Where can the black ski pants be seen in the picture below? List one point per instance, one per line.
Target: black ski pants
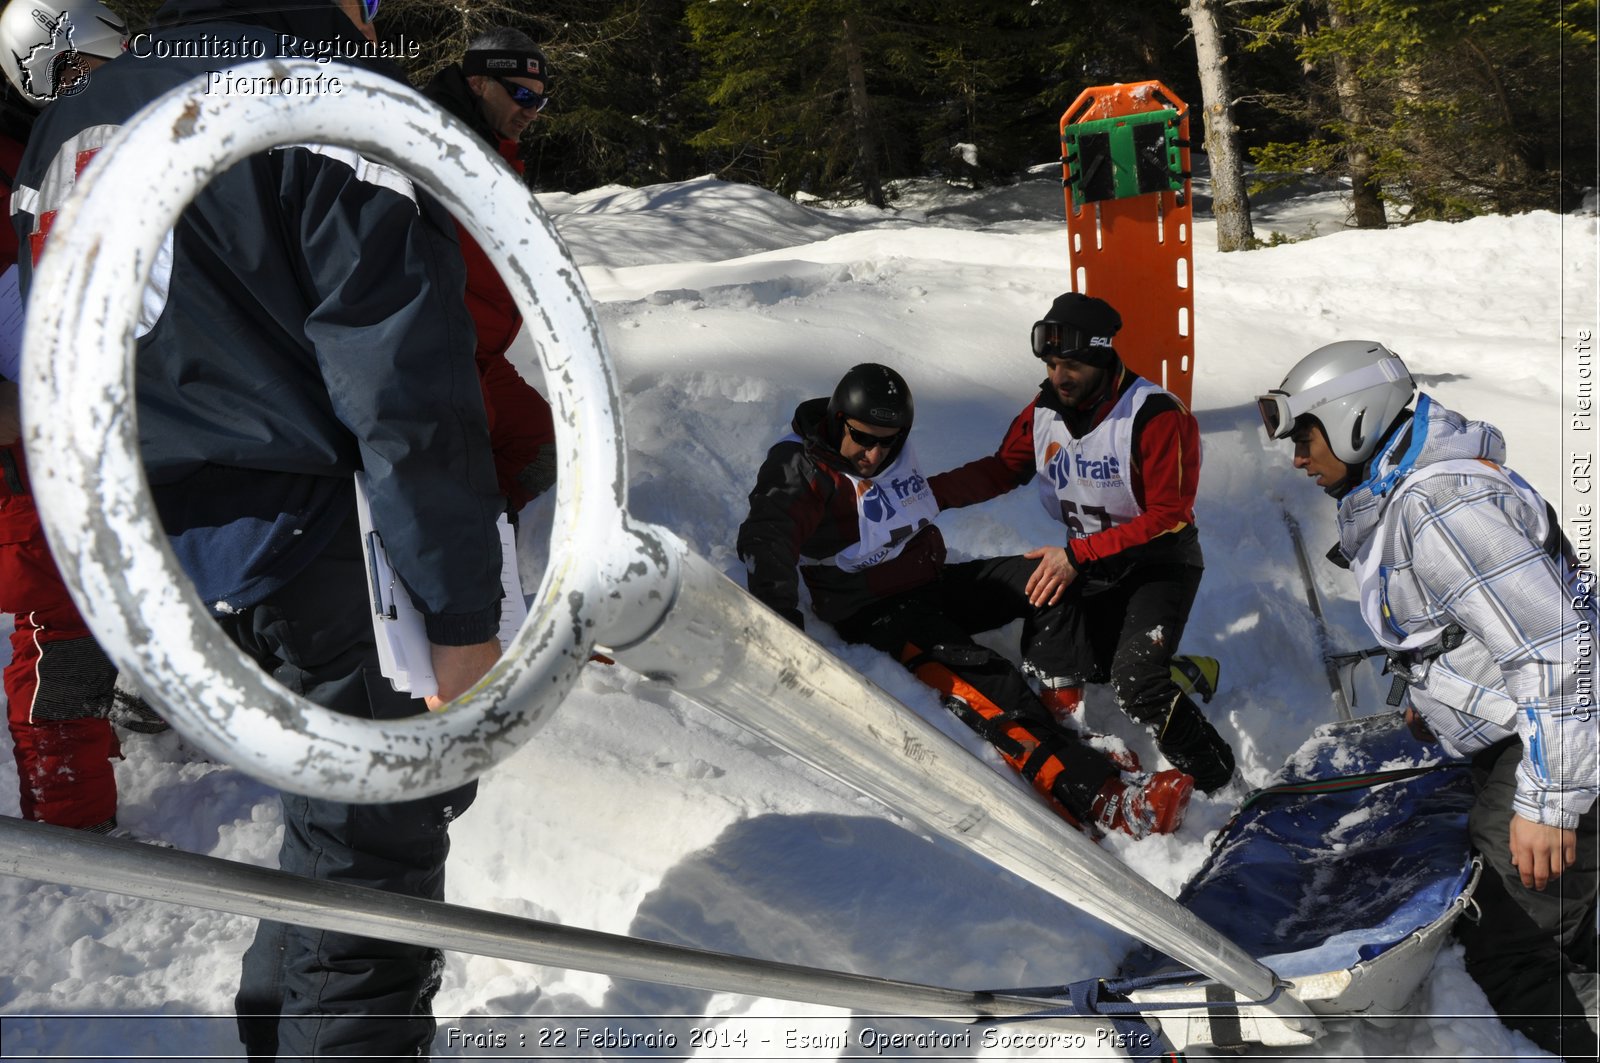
(1123, 634)
(304, 993)
(1532, 952)
(935, 623)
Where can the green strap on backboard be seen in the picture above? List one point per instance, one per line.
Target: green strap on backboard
(1131, 155)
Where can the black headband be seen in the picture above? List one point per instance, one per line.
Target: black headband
(507, 64)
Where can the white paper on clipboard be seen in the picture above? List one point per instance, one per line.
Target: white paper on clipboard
(513, 607)
(404, 654)
(11, 309)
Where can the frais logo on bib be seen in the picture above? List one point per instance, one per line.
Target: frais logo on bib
(1108, 468)
(1058, 465)
(875, 505)
(910, 487)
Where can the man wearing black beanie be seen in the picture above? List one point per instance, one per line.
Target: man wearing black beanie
(1117, 460)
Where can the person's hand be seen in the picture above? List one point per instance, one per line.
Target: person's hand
(457, 668)
(1419, 727)
(1539, 852)
(10, 413)
(1051, 579)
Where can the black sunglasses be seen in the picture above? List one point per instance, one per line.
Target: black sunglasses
(523, 96)
(867, 441)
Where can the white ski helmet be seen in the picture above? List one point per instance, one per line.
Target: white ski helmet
(1355, 389)
(39, 40)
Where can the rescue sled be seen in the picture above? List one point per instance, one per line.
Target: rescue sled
(1344, 876)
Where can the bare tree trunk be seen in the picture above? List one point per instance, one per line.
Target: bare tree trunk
(861, 111)
(1366, 191)
(1512, 169)
(1230, 204)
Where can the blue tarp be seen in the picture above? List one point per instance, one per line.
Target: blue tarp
(1314, 882)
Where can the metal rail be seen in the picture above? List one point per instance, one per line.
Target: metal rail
(38, 851)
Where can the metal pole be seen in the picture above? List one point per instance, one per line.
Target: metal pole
(740, 659)
(1341, 704)
(55, 854)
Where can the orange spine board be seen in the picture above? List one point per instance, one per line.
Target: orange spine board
(1135, 253)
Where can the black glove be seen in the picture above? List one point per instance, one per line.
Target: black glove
(539, 475)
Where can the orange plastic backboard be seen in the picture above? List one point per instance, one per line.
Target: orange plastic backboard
(1135, 252)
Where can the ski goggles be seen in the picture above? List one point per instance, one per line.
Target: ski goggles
(866, 440)
(525, 97)
(1056, 339)
(1279, 410)
(369, 9)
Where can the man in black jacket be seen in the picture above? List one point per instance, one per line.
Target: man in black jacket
(307, 321)
(498, 88)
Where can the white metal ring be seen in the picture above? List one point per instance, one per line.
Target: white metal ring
(82, 442)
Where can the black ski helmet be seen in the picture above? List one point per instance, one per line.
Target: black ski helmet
(873, 394)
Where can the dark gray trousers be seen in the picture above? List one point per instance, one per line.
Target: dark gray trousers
(1533, 952)
(309, 994)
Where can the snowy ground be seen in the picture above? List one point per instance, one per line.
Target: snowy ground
(637, 812)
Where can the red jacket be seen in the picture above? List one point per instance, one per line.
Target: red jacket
(519, 417)
(1165, 476)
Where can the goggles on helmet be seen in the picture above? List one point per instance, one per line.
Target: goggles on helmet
(369, 9)
(1056, 339)
(1279, 410)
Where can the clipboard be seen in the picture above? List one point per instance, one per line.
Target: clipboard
(404, 654)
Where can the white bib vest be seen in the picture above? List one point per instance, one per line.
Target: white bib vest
(1087, 483)
(891, 507)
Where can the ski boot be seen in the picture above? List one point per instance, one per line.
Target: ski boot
(1196, 676)
(1063, 701)
(1142, 805)
(1187, 739)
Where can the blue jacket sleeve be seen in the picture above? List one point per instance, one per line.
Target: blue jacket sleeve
(395, 344)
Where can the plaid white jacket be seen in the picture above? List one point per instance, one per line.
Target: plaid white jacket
(1470, 550)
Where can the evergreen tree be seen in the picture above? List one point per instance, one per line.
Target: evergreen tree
(813, 95)
(626, 101)
(981, 119)
(1452, 108)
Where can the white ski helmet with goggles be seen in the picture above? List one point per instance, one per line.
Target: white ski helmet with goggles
(1354, 389)
(39, 40)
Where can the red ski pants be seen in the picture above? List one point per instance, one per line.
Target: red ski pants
(59, 681)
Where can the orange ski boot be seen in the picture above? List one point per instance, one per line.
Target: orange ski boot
(1062, 702)
(1142, 805)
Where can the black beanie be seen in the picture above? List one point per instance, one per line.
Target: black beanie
(1095, 321)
